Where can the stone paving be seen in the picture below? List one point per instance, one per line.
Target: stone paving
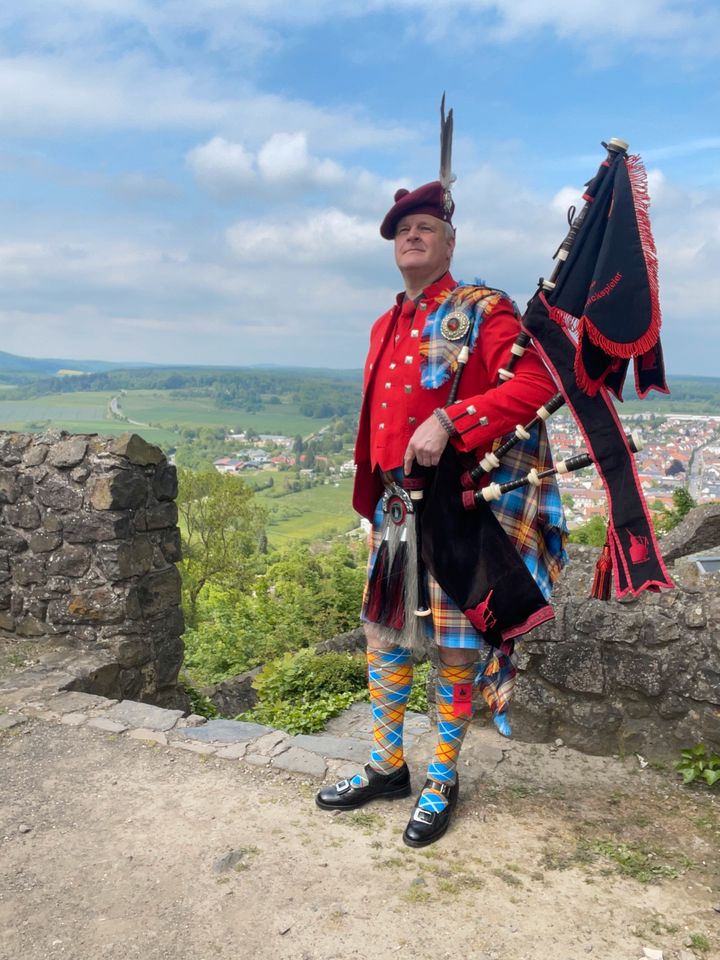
(338, 751)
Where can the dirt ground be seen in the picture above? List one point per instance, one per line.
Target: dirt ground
(112, 848)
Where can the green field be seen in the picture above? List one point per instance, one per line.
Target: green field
(57, 406)
(88, 412)
(159, 407)
(309, 514)
(76, 413)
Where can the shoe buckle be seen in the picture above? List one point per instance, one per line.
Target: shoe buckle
(342, 786)
(423, 816)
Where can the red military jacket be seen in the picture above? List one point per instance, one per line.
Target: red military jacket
(395, 404)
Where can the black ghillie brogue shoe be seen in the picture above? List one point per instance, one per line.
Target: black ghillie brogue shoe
(379, 786)
(425, 826)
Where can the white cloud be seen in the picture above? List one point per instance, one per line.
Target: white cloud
(256, 26)
(221, 166)
(640, 19)
(305, 286)
(42, 96)
(50, 94)
(285, 159)
(284, 167)
(327, 237)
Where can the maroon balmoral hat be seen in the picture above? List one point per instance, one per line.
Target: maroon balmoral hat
(433, 198)
(430, 198)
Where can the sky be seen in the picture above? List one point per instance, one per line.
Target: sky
(202, 181)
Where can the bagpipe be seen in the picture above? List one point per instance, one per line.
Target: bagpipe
(597, 310)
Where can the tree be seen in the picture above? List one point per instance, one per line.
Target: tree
(683, 503)
(222, 529)
(665, 520)
(592, 533)
(302, 597)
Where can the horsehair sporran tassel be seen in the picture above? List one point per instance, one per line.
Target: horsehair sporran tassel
(374, 595)
(392, 595)
(379, 586)
(393, 612)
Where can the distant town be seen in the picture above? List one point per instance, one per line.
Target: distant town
(679, 450)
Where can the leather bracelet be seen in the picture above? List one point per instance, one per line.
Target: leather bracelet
(445, 421)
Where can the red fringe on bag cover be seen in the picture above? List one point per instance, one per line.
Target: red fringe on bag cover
(566, 320)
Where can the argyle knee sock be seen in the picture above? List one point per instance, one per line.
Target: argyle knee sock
(390, 674)
(451, 729)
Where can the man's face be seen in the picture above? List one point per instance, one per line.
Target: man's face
(422, 246)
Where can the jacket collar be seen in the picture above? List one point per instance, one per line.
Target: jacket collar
(443, 283)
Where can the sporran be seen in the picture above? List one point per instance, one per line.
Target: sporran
(393, 594)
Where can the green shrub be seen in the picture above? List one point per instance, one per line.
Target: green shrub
(307, 715)
(300, 692)
(295, 675)
(302, 597)
(199, 703)
(698, 764)
(418, 698)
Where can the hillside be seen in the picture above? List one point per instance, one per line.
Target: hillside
(11, 364)
(251, 387)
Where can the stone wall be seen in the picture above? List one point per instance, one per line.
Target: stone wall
(88, 546)
(637, 675)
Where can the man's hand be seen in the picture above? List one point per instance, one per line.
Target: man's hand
(426, 444)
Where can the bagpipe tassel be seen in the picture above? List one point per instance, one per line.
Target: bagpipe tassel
(393, 612)
(602, 582)
(374, 600)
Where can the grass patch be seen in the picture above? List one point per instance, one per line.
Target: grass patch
(391, 863)
(521, 790)
(655, 925)
(699, 942)
(554, 858)
(509, 878)
(416, 893)
(643, 864)
(460, 883)
(367, 822)
(707, 822)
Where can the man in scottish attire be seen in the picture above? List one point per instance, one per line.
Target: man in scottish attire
(468, 530)
(405, 423)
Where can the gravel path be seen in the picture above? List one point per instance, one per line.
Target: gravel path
(117, 848)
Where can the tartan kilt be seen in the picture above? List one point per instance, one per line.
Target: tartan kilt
(532, 519)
